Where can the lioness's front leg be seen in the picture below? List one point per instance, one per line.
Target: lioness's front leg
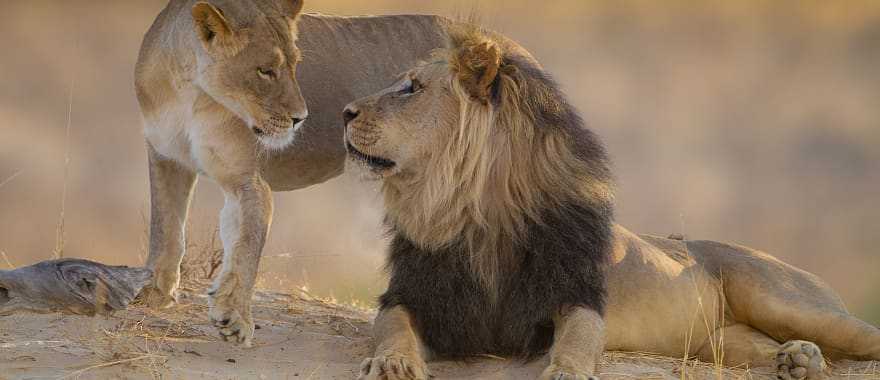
(398, 351)
(578, 343)
(171, 189)
(244, 225)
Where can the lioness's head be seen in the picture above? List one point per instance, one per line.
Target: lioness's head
(248, 63)
(474, 144)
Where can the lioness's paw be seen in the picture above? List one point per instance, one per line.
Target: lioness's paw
(157, 299)
(554, 372)
(393, 367)
(230, 313)
(799, 359)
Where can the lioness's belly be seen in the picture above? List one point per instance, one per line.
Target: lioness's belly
(657, 304)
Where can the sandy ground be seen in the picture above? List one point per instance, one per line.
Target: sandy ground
(299, 337)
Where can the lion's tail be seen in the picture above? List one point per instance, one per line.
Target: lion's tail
(787, 303)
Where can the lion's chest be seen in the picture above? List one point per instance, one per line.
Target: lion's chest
(457, 317)
(166, 131)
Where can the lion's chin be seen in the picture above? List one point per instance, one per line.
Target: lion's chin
(370, 168)
(276, 141)
(366, 172)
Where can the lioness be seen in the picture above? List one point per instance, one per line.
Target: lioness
(228, 91)
(498, 200)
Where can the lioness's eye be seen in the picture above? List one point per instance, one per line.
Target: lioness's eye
(267, 73)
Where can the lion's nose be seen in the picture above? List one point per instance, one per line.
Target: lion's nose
(350, 114)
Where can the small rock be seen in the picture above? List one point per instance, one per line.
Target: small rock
(230, 360)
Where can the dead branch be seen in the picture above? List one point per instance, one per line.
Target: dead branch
(70, 285)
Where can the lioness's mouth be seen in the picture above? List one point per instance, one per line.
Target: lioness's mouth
(373, 161)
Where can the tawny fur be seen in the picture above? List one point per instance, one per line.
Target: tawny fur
(455, 179)
(492, 246)
(223, 86)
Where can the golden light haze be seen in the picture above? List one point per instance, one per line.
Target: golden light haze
(754, 122)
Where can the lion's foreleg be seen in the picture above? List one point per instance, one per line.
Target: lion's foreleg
(244, 226)
(578, 343)
(398, 350)
(171, 189)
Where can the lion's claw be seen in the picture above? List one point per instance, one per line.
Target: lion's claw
(232, 325)
(393, 367)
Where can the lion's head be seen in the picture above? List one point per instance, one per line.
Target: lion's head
(475, 144)
(248, 61)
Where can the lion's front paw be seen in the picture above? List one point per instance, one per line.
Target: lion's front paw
(799, 359)
(555, 372)
(393, 367)
(230, 313)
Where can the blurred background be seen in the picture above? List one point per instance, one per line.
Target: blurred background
(754, 122)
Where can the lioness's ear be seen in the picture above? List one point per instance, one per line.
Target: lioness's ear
(476, 66)
(210, 23)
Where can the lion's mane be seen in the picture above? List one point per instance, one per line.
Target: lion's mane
(511, 221)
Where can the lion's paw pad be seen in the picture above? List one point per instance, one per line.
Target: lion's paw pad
(798, 360)
(393, 367)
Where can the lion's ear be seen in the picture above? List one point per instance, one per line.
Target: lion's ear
(297, 7)
(477, 68)
(210, 23)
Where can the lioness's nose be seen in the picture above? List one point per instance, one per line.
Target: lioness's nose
(350, 114)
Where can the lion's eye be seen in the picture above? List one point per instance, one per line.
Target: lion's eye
(415, 85)
(412, 86)
(267, 73)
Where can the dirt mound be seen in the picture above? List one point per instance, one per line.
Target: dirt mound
(299, 337)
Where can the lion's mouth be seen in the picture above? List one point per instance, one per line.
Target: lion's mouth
(273, 138)
(373, 161)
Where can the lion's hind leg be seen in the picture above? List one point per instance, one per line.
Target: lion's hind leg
(786, 303)
(799, 359)
(740, 344)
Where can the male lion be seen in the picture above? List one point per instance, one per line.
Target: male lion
(223, 87)
(499, 201)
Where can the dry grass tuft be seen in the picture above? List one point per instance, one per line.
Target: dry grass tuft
(202, 261)
(59, 233)
(662, 366)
